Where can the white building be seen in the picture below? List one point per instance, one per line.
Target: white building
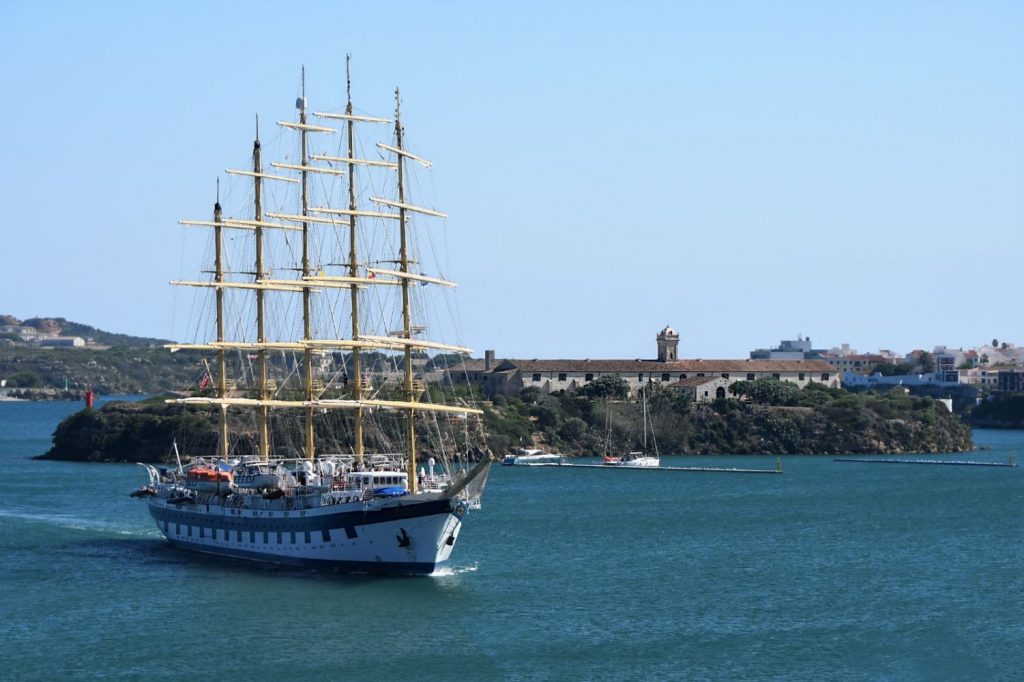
(512, 375)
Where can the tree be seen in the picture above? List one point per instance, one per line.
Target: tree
(888, 369)
(25, 379)
(545, 414)
(927, 362)
(767, 391)
(608, 387)
(572, 429)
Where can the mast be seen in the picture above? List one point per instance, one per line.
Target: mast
(263, 414)
(643, 395)
(222, 365)
(307, 327)
(406, 310)
(353, 265)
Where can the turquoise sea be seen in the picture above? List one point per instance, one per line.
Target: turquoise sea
(829, 571)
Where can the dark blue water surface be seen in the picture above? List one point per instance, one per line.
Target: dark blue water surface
(828, 571)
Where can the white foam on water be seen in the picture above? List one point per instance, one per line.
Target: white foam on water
(446, 571)
(77, 523)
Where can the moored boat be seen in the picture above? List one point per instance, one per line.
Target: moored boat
(531, 457)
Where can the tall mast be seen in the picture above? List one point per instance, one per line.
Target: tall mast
(263, 414)
(222, 365)
(406, 310)
(643, 395)
(353, 266)
(307, 326)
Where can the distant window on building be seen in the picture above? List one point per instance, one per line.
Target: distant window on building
(588, 377)
(664, 377)
(776, 376)
(561, 376)
(750, 377)
(682, 376)
(824, 376)
(725, 375)
(801, 376)
(536, 376)
(720, 393)
(640, 376)
(700, 374)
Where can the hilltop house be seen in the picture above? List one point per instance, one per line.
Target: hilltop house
(509, 376)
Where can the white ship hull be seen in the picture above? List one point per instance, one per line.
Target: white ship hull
(414, 534)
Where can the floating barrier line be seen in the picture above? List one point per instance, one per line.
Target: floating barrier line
(721, 470)
(937, 462)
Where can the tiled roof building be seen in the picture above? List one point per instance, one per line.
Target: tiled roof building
(512, 375)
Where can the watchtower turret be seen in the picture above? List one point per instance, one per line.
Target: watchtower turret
(668, 345)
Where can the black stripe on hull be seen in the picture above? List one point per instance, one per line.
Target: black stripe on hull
(392, 567)
(298, 520)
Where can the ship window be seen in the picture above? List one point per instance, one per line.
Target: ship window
(238, 535)
(326, 535)
(266, 537)
(293, 537)
(536, 376)
(350, 532)
(190, 531)
(561, 376)
(252, 536)
(202, 532)
(307, 538)
(280, 540)
(177, 529)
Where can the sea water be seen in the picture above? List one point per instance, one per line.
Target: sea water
(829, 571)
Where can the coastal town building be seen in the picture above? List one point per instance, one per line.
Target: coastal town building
(789, 349)
(63, 342)
(23, 332)
(509, 376)
(979, 376)
(1010, 380)
(859, 363)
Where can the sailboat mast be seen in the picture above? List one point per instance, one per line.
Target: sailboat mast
(307, 327)
(643, 393)
(406, 308)
(222, 365)
(353, 267)
(263, 414)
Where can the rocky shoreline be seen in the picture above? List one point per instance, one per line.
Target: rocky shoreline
(833, 423)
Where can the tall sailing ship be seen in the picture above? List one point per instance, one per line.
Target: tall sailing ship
(293, 479)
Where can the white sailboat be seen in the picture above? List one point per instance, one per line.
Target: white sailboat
(348, 508)
(641, 458)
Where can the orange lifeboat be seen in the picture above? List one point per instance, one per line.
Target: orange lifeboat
(208, 479)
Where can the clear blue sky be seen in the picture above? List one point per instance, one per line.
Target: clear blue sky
(743, 171)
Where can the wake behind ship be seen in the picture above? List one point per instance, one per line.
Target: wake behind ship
(293, 479)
